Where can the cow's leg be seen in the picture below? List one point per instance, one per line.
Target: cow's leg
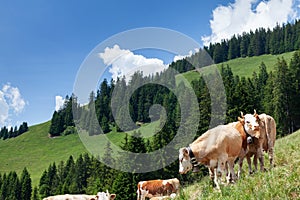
(231, 175)
(216, 179)
(261, 158)
(240, 161)
(255, 162)
(222, 166)
(271, 156)
(249, 164)
(211, 173)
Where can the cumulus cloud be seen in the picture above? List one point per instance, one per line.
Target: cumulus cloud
(10, 100)
(59, 102)
(124, 63)
(245, 15)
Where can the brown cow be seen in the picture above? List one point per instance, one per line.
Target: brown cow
(247, 128)
(265, 141)
(156, 188)
(215, 149)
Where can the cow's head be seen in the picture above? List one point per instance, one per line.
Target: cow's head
(251, 123)
(185, 164)
(105, 196)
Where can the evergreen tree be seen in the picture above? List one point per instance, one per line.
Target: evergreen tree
(26, 188)
(282, 96)
(56, 124)
(124, 186)
(35, 194)
(295, 91)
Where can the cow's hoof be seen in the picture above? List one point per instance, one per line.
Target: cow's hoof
(196, 169)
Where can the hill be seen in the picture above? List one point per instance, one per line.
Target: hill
(282, 182)
(249, 65)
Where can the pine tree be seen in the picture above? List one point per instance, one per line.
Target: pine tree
(124, 186)
(26, 188)
(282, 95)
(295, 90)
(35, 194)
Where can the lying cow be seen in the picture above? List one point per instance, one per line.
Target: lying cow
(264, 141)
(215, 149)
(157, 188)
(99, 196)
(172, 196)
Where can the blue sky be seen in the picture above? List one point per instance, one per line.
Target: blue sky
(43, 43)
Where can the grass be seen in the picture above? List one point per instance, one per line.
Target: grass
(244, 67)
(35, 151)
(282, 182)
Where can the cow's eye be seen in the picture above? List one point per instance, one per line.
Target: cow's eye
(247, 122)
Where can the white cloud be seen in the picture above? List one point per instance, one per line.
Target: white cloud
(59, 102)
(180, 57)
(124, 63)
(3, 109)
(245, 15)
(10, 100)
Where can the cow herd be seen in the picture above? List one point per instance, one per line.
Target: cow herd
(218, 149)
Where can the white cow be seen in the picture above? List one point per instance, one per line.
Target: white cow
(99, 196)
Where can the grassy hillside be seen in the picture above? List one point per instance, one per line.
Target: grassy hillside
(35, 150)
(283, 182)
(246, 66)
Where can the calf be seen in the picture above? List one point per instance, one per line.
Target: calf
(156, 188)
(215, 149)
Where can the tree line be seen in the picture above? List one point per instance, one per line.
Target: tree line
(275, 93)
(281, 39)
(6, 133)
(13, 187)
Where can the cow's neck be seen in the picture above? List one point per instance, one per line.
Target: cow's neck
(198, 152)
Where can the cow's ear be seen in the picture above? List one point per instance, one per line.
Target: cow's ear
(185, 152)
(241, 120)
(113, 196)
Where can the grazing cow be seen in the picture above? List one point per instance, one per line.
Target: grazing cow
(264, 141)
(157, 188)
(215, 149)
(99, 196)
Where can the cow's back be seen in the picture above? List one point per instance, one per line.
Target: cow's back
(218, 140)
